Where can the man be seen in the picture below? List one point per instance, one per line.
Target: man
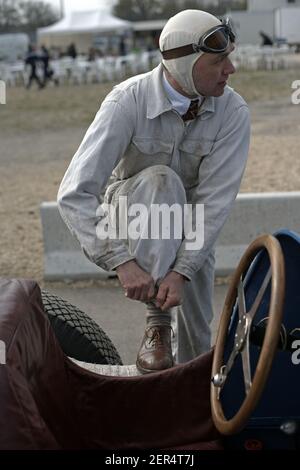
(266, 40)
(175, 136)
(48, 73)
(32, 60)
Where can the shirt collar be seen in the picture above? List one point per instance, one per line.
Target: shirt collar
(159, 103)
(179, 102)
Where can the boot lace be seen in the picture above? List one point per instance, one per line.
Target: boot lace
(154, 336)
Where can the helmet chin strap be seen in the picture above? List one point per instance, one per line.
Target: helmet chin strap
(174, 83)
(181, 70)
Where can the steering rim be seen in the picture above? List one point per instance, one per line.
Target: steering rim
(255, 386)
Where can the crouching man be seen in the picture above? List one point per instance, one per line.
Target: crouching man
(175, 138)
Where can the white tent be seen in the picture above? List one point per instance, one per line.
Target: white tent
(81, 27)
(94, 21)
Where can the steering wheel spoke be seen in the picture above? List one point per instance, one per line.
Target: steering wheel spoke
(246, 366)
(241, 299)
(260, 294)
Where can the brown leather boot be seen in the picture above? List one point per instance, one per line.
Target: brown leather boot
(155, 352)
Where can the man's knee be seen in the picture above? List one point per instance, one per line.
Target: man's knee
(157, 181)
(160, 176)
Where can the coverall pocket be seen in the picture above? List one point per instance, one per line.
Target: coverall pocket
(192, 152)
(148, 152)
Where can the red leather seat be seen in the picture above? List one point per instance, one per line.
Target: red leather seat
(48, 402)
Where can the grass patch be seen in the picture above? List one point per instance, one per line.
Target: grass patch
(51, 108)
(264, 85)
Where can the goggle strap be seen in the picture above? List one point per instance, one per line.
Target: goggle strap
(180, 51)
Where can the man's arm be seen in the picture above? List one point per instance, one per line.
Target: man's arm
(79, 194)
(220, 176)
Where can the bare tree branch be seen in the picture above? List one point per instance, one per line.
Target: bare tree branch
(25, 16)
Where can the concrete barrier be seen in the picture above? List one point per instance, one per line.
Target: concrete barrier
(252, 215)
(63, 258)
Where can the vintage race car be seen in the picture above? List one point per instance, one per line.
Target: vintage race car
(243, 394)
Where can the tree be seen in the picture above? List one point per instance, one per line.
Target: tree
(238, 5)
(36, 15)
(138, 10)
(25, 16)
(171, 7)
(141, 10)
(224, 6)
(9, 16)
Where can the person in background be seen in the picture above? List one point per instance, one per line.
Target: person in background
(48, 73)
(122, 46)
(266, 40)
(32, 59)
(71, 51)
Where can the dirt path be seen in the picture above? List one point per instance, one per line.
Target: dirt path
(274, 163)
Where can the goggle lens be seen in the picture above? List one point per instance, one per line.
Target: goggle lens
(218, 40)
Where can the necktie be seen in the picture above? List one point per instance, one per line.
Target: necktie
(192, 111)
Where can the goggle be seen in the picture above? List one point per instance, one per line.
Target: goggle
(214, 41)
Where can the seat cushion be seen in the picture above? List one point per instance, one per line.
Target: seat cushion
(50, 402)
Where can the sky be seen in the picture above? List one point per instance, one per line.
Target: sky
(74, 5)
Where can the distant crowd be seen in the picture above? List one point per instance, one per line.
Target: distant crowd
(40, 58)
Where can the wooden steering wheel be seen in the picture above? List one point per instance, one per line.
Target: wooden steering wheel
(253, 386)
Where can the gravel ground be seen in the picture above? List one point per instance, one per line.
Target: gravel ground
(33, 160)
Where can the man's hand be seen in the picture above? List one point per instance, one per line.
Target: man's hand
(138, 284)
(170, 292)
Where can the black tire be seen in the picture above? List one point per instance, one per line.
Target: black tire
(78, 335)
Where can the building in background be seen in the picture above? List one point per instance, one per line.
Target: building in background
(270, 5)
(101, 31)
(265, 16)
(146, 34)
(13, 46)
